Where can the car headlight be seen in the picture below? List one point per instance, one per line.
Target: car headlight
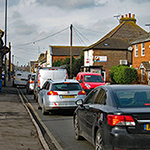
(88, 86)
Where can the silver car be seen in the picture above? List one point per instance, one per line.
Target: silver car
(56, 95)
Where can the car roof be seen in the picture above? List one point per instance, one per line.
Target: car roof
(62, 81)
(127, 87)
(89, 73)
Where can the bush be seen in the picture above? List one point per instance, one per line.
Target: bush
(123, 74)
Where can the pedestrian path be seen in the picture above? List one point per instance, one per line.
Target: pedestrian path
(17, 131)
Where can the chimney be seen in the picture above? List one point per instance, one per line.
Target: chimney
(127, 18)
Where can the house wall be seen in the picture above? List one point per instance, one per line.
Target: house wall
(113, 59)
(56, 58)
(139, 59)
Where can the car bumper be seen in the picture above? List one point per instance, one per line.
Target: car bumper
(122, 139)
(56, 106)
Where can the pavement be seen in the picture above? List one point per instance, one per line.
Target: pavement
(17, 129)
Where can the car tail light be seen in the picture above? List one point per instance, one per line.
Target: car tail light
(52, 93)
(31, 81)
(39, 80)
(120, 120)
(82, 93)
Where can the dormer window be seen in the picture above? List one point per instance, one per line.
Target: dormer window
(143, 49)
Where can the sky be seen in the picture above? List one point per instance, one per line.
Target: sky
(33, 25)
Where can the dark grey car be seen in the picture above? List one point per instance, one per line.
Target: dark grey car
(115, 117)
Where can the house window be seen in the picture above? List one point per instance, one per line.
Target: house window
(136, 50)
(143, 49)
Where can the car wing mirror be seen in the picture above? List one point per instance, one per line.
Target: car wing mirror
(79, 102)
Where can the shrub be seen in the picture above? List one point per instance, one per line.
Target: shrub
(123, 74)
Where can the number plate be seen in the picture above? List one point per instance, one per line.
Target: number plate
(68, 96)
(147, 127)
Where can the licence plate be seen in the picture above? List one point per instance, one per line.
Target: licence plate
(68, 96)
(147, 127)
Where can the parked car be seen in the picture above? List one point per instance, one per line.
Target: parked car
(115, 117)
(20, 78)
(30, 83)
(56, 95)
(89, 80)
(44, 73)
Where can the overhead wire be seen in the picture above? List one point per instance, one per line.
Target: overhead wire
(42, 38)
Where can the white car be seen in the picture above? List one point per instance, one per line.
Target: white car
(30, 83)
(56, 95)
(21, 78)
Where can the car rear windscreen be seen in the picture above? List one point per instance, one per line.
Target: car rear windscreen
(133, 98)
(66, 87)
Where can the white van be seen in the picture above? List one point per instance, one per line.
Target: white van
(44, 73)
(20, 78)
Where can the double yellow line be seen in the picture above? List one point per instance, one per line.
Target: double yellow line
(54, 141)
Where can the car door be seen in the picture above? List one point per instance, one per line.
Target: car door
(88, 102)
(93, 112)
(41, 93)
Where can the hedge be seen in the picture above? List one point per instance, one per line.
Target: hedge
(123, 74)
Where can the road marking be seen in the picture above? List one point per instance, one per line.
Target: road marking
(46, 129)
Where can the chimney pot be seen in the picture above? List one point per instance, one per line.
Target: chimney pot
(126, 16)
(129, 15)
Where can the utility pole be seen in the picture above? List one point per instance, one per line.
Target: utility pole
(9, 70)
(71, 51)
(5, 39)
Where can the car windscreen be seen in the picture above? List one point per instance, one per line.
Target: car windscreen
(66, 87)
(133, 98)
(93, 78)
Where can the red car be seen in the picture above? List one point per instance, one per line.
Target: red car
(89, 80)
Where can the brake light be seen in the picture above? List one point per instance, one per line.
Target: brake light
(82, 93)
(52, 93)
(120, 120)
(39, 80)
(31, 81)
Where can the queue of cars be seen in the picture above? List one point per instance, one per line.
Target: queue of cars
(111, 117)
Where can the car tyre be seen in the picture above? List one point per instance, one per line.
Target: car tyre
(99, 141)
(44, 112)
(77, 129)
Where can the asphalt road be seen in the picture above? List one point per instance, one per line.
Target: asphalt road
(60, 125)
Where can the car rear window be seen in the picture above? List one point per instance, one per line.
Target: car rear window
(133, 98)
(66, 87)
(93, 78)
(19, 74)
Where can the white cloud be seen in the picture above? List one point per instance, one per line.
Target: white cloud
(30, 20)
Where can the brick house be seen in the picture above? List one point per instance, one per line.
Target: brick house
(55, 53)
(141, 58)
(112, 49)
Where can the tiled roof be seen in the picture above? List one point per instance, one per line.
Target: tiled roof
(144, 38)
(124, 33)
(146, 65)
(65, 50)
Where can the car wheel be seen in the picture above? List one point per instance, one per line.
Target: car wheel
(99, 141)
(44, 112)
(77, 129)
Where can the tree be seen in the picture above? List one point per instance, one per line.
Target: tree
(76, 64)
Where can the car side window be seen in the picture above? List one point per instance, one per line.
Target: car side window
(47, 86)
(81, 78)
(44, 86)
(101, 97)
(89, 99)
